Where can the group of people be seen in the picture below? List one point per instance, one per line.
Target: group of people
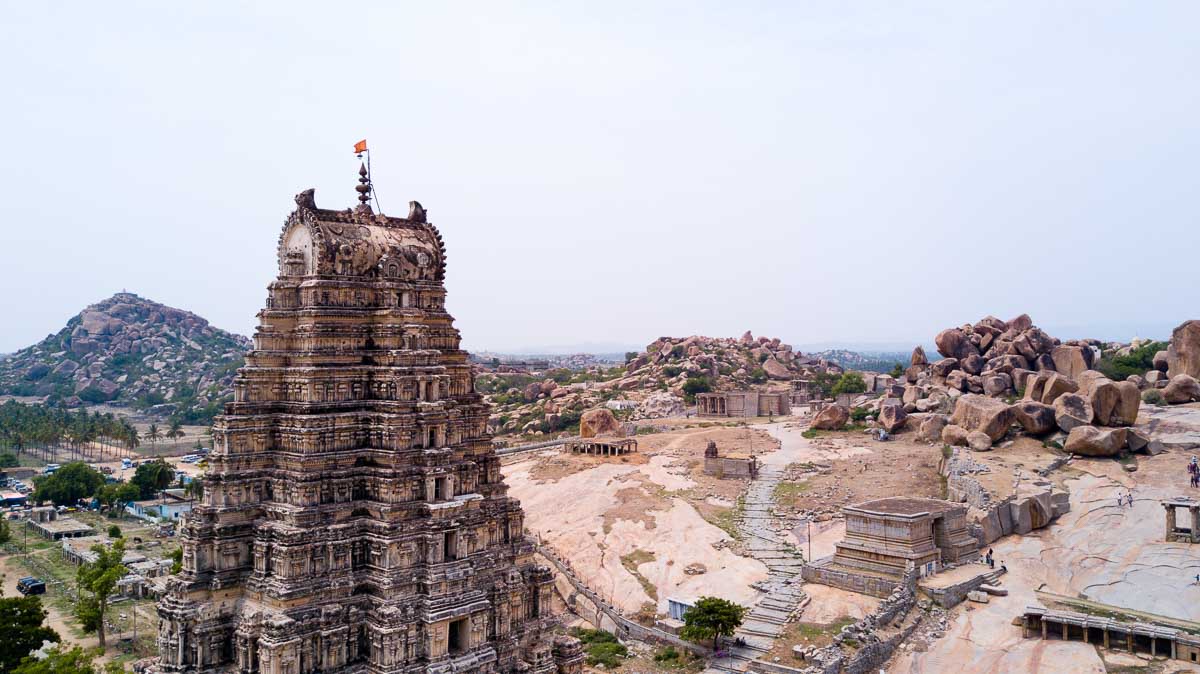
(1125, 500)
(1194, 471)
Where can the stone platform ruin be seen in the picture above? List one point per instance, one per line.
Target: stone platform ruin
(888, 537)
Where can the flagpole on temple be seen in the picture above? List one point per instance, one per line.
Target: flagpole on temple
(360, 148)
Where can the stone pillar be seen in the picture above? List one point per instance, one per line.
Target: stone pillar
(1105, 637)
(1195, 511)
(1044, 634)
(1170, 520)
(1129, 641)
(1153, 646)
(1066, 631)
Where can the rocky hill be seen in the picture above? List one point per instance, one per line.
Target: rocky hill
(657, 382)
(130, 350)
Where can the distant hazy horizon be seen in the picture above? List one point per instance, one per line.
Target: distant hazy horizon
(608, 174)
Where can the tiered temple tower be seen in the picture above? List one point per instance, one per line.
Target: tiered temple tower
(354, 518)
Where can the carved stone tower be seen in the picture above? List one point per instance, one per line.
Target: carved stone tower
(354, 518)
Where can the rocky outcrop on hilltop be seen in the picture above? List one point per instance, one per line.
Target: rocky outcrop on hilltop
(130, 350)
(725, 363)
(1000, 377)
(655, 383)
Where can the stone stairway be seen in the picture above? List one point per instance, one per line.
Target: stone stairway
(768, 618)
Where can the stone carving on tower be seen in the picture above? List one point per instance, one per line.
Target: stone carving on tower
(354, 518)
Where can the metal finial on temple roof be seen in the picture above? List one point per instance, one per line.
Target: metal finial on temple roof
(364, 185)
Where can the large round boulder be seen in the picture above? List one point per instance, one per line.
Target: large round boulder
(1036, 418)
(598, 422)
(1182, 388)
(1092, 441)
(1183, 353)
(1103, 394)
(1130, 401)
(979, 442)
(1072, 410)
(1020, 323)
(918, 357)
(831, 418)
(931, 427)
(954, 343)
(981, 413)
(892, 417)
(954, 435)
(944, 367)
(972, 364)
(1071, 360)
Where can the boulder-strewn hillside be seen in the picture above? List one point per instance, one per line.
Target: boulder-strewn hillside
(130, 350)
(655, 383)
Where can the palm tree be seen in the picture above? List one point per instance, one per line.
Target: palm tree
(152, 434)
(131, 436)
(175, 431)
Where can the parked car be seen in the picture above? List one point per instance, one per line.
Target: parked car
(31, 585)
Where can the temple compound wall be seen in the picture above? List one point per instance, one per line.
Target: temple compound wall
(887, 537)
(354, 518)
(745, 404)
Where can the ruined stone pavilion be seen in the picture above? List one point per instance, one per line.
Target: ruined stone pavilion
(354, 518)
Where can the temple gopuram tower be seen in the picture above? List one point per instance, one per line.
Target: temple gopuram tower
(354, 518)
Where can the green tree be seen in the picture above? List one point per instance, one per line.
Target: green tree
(712, 618)
(68, 484)
(99, 579)
(151, 477)
(5, 532)
(114, 531)
(897, 371)
(177, 559)
(71, 661)
(8, 460)
(175, 431)
(152, 434)
(22, 629)
(695, 385)
(850, 382)
(127, 493)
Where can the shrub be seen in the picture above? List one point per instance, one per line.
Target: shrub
(859, 413)
(850, 382)
(1138, 362)
(601, 646)
(1153, 397)
(114, 531)
(671, 371)
(897, 371)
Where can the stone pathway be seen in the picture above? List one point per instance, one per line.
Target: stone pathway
(768, 618)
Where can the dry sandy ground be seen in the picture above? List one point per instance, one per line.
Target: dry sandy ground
(1098, 551)
(852, 468)
(56, 620)
(631, 525)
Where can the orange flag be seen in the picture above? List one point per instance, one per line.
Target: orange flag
(360, 146)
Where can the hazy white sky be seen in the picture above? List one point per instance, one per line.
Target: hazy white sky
(612, 172)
